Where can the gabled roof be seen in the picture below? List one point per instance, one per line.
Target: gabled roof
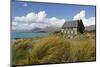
(69, 24)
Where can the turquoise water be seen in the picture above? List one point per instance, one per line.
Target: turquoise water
(16, 35)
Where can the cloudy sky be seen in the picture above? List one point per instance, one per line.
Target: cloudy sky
(30, 15)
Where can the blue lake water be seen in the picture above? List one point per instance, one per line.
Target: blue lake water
(16, 35)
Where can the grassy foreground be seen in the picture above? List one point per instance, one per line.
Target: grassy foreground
(52, 49)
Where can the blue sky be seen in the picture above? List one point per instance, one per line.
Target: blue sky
(65, 11)
(30, 15)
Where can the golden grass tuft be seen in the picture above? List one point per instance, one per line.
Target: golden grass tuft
(52, 49)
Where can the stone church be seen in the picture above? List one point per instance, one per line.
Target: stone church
(72, 28)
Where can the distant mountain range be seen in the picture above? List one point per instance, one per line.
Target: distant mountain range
(37, 30)
(54, 29)
(90, 28)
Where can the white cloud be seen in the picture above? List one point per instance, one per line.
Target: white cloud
(14, 23)
(26, 19)
(86, 21)
(56, 22)
(32, 17)
(41, 16)
(33, 20)
(40, 20)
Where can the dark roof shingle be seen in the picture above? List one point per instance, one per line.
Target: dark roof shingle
(69, 24)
